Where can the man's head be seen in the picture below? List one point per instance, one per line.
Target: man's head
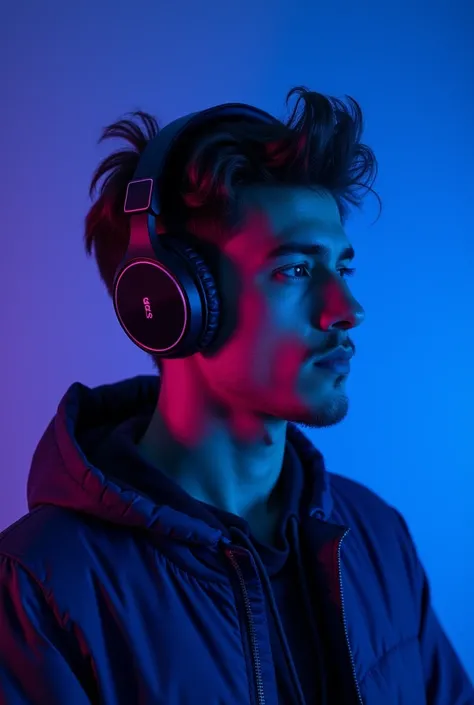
(266, 207)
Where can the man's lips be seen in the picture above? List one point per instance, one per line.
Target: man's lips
(338, 360)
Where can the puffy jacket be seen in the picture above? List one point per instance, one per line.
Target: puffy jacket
(119, 588)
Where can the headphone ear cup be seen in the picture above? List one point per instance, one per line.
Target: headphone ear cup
(155, 311)
(208, 284)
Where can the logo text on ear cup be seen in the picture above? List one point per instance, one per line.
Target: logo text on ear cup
(146, 303)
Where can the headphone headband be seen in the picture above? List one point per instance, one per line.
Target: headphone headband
(142, 192)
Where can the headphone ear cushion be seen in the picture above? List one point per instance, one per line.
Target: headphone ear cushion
(207, 281)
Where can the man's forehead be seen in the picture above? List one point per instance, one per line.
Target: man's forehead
(290, 211)
(274, 216)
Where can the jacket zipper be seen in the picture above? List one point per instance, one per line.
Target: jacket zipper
(354, 674)
(253, 638)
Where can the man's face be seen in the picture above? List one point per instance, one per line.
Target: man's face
(283, 309)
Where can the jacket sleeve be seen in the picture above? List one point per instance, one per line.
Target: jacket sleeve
(36, 654)
(446, 681)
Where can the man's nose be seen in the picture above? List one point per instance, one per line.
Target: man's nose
(340, 310)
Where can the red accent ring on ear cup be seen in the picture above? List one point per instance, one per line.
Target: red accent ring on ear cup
(151, 306)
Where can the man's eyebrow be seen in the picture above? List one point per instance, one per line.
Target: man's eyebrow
(315, 250)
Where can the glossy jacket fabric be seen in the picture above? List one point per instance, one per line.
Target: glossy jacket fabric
(108, 596)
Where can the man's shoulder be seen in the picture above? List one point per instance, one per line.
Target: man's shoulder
(355, 493)
(356, 505)
(47, 540)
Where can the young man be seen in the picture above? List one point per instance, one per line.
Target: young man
(185, 543)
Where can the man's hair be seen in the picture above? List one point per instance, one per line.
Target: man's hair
(317, 146)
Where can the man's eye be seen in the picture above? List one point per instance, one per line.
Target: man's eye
(292, 271)
(302, 271)
(346, 272)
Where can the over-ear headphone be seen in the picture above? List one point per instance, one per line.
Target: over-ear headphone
(164, 294)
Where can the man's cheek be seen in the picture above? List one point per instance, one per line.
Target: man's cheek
(287, 362)
(279, 363)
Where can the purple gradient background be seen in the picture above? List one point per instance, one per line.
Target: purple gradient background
(67, 69)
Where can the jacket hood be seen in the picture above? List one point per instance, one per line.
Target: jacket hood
(65, 471)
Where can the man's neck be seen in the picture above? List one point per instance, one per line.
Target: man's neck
(209, 455)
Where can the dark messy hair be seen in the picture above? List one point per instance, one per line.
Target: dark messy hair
(319, 145)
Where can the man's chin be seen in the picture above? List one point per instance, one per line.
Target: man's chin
(323, 416)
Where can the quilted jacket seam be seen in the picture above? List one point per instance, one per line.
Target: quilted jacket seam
(382, 658)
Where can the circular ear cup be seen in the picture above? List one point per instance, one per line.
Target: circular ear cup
(212, 302)
(169, 306)
(157, 305)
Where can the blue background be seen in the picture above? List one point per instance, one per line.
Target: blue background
(67, 69)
